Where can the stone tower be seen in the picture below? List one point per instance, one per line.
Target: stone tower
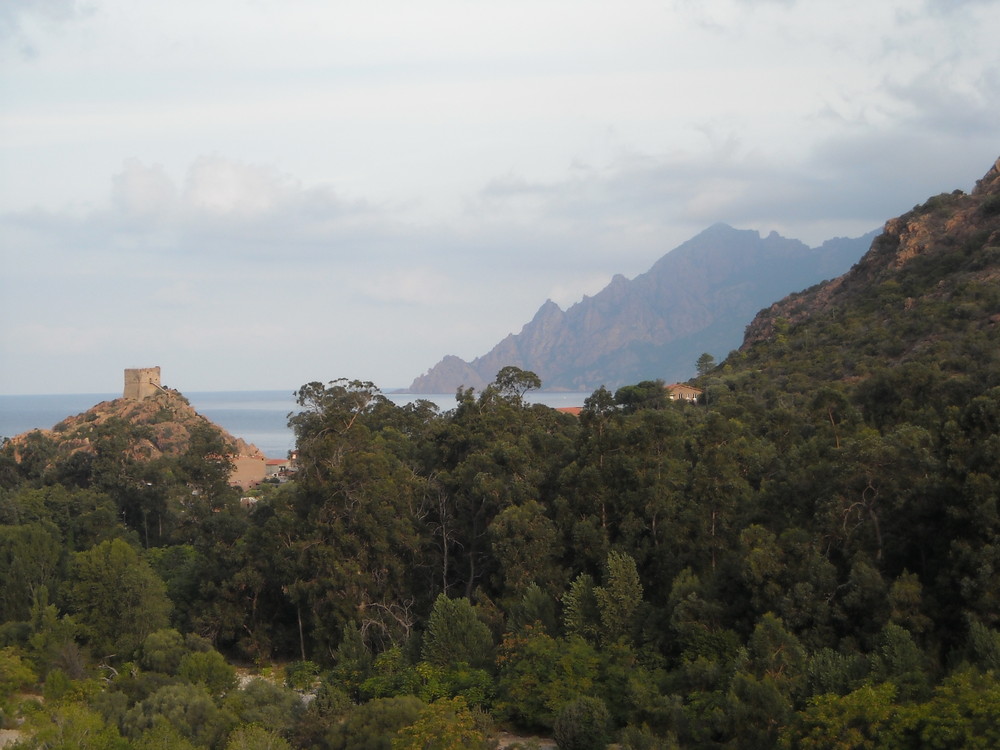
(141, 382)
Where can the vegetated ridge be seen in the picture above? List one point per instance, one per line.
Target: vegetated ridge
(925, 297)
(697, 298)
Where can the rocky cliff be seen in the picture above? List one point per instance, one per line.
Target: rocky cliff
(697, 298)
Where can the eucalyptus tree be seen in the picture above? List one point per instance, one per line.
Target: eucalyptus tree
(356, 548)
(492, 452)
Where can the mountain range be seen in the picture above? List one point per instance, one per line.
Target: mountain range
(697, 298)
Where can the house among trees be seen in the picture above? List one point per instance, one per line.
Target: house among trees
(248, 471)
(277, 467)
(682, 392)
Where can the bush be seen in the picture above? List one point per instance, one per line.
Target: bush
(15, 672)
(446, 723)
(162, 651)
(300, 675)
(256, 737)
(642, 738)
(582, 725)
(188, 709)
(266, 704)
(374, 724)
(210, 669)
(990, 205)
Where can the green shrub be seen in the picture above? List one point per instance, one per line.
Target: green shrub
(210, 669)
(582, 725)
(374, 724)
(990, 205)
(300, 675)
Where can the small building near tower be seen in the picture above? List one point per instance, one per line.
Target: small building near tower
(248, 471)
(141, 382)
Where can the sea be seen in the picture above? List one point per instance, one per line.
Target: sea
(259, 417)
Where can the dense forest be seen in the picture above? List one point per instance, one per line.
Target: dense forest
(809, 557)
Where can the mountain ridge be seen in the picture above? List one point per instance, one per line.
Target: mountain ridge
(698, 297)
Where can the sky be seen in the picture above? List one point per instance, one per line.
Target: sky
(259, 194)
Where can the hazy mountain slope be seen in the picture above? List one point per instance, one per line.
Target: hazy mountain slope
(697, 298)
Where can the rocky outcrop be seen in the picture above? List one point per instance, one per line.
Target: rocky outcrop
(697, 298)
(162, 424)
(444, 376)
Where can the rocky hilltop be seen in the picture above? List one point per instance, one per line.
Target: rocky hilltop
(940, 260)
(697, 298)
(160, 425)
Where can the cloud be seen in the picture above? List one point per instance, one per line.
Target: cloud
(950, 102)
(142, 193)
(514, 186)
(14, 14)
(953, 6)
(20, 21)
(410, 286)
(858, 178)
(220, 206)
(178, 294)
(60, 338)
(221, 187)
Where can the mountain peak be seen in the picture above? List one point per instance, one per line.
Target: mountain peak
(548, 309)
(698, 297)
(720, 227)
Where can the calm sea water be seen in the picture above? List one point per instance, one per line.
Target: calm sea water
(259, 417)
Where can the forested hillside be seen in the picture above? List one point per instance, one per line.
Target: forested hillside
(808, 558)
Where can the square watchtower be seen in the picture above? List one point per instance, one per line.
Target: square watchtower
(141, 382)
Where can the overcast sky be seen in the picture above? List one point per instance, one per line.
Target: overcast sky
(256, 194)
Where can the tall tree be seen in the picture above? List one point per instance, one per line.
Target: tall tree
(705, 363)
(527, 547)
(30, 559)
(116, 598)
(618, 598)
(360, 504)
(455, 635)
